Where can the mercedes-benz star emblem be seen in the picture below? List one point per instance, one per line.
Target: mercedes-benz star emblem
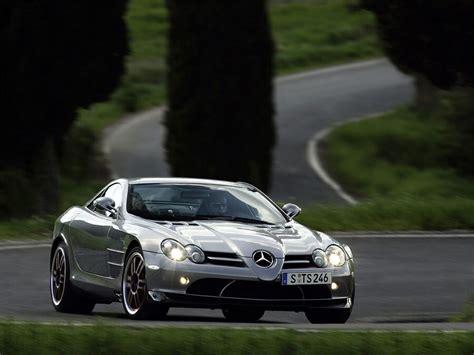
(263, 258)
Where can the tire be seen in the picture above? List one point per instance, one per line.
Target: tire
(238, 314)
(326, 316)
(136, 302)
(66, 298)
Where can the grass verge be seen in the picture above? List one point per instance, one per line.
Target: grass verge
(16, 338)
(400, 166)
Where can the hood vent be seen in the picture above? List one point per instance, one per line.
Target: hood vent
(177, 223)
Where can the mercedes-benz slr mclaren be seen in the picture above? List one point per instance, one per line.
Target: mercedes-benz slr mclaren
(156, 243)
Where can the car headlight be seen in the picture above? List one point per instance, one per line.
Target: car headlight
(336, 255)
(348, 251)
(173, 250)
(195, 254)
(320, 258)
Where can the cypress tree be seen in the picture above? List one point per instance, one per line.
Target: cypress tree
(57, 56)
(220, 107)
(429, 38)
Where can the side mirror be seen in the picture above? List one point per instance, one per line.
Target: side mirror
(291, 210)
(105, 204)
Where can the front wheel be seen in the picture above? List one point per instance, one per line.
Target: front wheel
(238, 314)
(326, 316)
(136, 302)
(65, 297)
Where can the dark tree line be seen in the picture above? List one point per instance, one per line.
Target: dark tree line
(433, 40)
(56, 56)
(220, 107)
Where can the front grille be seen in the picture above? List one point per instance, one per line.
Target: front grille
(298, 262)
(224, 259)
(257, 290)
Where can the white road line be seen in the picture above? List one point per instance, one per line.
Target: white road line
(330, 70)
(343, 235)
(26, 246)
(312, 156)
(347, 328)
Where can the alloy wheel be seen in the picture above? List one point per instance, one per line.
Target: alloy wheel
(58, 276)
(134, 284)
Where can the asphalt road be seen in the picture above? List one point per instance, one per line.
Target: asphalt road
(305, 104)
(398, 279)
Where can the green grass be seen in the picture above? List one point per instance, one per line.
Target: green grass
(73, 193)
(307, 33)
(315, 33)
(399, 166)
(467, 314)
(51, 339)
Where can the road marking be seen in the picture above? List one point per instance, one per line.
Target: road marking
(25, 246)
(317, 328)
(340, 235)
(312, 156)
(330, 70)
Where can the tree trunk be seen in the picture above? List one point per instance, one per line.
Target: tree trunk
(425, 95)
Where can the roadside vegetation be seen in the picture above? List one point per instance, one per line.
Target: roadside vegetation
(467, 314)
(409, 169)
(307, 34)
(53, 339)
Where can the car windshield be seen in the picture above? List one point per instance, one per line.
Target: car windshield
(180, 202)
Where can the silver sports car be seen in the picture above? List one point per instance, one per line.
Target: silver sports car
(156, 243)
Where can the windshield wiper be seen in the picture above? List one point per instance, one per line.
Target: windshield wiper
(233, 218)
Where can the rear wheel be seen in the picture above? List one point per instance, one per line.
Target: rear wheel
(238, 314)
(65, 297)
(135, 299)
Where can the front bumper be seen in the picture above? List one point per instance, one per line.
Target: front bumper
(212, 286)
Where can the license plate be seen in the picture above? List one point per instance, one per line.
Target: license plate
(306, 278)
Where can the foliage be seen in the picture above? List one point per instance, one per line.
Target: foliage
(56, 57)
(402, 165)
(220, 108)
(430, 38)
(104, 339)
(467, 314)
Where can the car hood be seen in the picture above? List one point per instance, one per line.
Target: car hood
(244, 239)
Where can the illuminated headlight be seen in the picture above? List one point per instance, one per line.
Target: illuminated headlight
(195, 254)
(173, 250)
(320, 258)
(348, 251)
(336, 255)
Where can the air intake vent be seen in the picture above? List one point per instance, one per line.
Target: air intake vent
(225, 259)
(298, 262)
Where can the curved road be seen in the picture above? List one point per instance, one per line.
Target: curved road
(416, 278)
(399, 278)
(305, 103)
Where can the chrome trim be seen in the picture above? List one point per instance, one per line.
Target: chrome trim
(225, 287)
(116, 251)
(298, 262)
(218, 258)
(114, 264)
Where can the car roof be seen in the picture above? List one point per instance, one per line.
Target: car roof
(153, 180)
